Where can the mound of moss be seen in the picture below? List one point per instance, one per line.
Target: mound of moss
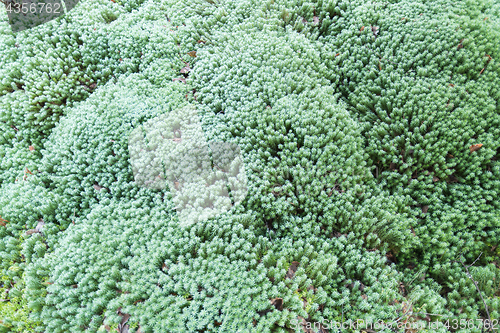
(370, 136)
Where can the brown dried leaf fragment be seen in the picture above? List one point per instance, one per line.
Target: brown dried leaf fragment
(122, 326)
(183, 80)
(475, 147)
(40, 225)
(311, 287)
(2, 221)
(292, 269)
(278, 303)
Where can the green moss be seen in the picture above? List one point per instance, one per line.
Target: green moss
(370, 133)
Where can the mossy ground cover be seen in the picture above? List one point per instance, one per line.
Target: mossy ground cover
(370, 133)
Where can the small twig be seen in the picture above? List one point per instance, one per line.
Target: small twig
(478, 290)
(432, 314)
(473, 263)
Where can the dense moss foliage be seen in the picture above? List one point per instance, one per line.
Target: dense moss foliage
(370, 134)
